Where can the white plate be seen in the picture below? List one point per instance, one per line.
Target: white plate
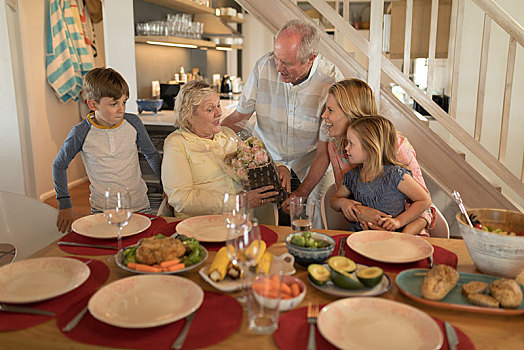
(33, 280)
(207, 228)
(231, 285)
(144, 301)
(120, 264)
(330, 288)
(96, 226)
(389, 247)
(377, 323)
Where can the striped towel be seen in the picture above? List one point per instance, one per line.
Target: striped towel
(67, 58)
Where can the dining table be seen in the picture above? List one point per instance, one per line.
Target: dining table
(486, 331)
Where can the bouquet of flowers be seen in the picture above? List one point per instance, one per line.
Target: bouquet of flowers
(252, 165)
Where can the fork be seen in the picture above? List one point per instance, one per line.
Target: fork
(312, 314)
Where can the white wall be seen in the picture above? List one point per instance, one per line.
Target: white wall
(258, 40)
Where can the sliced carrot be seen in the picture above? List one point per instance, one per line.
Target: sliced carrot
(143, 267)
(176, 267)
(295, 289)
(285, 288)
(169, 263)
(285, 296)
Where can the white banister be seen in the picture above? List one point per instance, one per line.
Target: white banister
(432, 46)
(503, 19)
(481, 92)
(506, 104)
(456, 59)
(375, 50)
(407, 37)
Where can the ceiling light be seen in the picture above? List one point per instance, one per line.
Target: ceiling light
(224, 48)
(188, 46)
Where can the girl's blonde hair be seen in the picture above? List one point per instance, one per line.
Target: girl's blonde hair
(356, 99)
(379, 140)
(190, 96)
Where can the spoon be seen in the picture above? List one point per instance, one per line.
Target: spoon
(456, 196)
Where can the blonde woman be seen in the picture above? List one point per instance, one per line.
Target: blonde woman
(193, 175)
(349, 100)
(378, 181)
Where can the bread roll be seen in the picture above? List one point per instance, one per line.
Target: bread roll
(474, 287)
(483, 300)
(439, 281)
(507, 292)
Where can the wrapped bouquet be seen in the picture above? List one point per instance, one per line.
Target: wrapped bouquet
(252, 165)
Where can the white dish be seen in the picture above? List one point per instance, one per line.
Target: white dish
(119, 262)
(145, 301)
(377, 323)
(207, 228)
(33, 280)
(96, 226)
(330, 288)
(389, 247)
(230, 285)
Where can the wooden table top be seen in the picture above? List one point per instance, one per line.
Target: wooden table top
(486, 331)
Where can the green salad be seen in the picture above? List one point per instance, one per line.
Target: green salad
(305, 240)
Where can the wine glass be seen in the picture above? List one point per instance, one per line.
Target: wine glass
(243, 248)
(117, 211)
(235, 210)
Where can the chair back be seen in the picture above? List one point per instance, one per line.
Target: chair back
(26, 223)
(441, 228)
(332, 220)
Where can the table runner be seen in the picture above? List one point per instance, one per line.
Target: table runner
(218, 317)
(269, 236)
(440, 256)
(60, 304)
(126, 241)
(293, 331)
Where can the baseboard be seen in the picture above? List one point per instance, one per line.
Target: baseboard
(52, 193)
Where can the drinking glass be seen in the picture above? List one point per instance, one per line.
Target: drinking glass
(117, 211)
(235, 210)
(243, 248)
(301, 212)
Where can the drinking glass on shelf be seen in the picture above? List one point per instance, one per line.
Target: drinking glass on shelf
(117, 210)
(235, 210)
(301, 212)
(243, 249)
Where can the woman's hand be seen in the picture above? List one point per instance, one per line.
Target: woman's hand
(285, 177)
(369, 217)
(261, 196)
(349, 208)
(389, 224)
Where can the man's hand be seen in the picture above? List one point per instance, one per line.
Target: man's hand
(285, 177)
(64, 220)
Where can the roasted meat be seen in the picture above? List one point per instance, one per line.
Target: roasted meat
(154, 250)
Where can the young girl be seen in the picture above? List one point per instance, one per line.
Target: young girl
(378, 181)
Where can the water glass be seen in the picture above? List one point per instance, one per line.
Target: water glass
(117, 209)
(301, 210)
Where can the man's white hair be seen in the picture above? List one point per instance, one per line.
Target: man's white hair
(308, 44)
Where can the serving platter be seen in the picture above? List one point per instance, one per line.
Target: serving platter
(119, 261)
(206, 228)
(38, 279)
(96, 226)
(377, 323)
(389, 247)
(330, 288)
(144, 301)
(410, 284)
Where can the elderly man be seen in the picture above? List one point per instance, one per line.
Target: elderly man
(287, 89)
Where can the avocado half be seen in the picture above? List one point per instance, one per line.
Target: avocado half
(319, 274)
(341, 263)
(370, 276)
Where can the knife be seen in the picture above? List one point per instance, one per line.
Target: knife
(101, 246)
(451, 335)
(25, 310)
(341, 251)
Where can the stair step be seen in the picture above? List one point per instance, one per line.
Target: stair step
(462, 155)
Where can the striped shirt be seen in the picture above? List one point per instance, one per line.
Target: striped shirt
(288, 116)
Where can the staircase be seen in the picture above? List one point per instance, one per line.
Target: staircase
(446, 168)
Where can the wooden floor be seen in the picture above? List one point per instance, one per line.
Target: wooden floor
(80, 199)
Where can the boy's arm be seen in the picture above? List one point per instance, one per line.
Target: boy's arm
(145, 145)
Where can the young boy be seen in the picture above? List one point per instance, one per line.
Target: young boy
(107, 141)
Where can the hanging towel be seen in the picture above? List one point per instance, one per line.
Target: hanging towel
(67, 59)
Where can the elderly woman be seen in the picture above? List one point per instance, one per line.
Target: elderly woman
(193, 172)
(347, 101)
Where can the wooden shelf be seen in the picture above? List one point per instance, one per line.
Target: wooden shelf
(228, 19)
(186, 6)
(174, 40)
(234, 47)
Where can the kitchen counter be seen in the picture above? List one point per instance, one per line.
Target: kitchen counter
(166, 118)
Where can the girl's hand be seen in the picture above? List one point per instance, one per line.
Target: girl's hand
(261, 196)
(389, 224)
(349, 208)
(64, 220)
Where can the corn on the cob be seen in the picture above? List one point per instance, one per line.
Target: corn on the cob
(265, 263)
(261, 250)
(217, 270)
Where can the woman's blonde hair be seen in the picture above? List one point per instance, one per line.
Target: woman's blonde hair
(190, 96)
(379, 140)
(356, 99)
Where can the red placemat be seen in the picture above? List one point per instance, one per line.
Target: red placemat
(60, 304)
(126, 241)
(293, 330)
(218, 317)
(440, 256)
(269, 236)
